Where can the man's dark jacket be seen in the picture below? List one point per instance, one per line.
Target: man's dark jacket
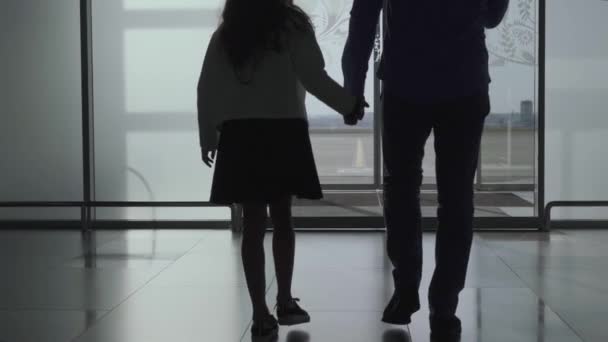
(433, 49)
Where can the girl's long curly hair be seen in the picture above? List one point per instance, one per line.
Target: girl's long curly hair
(251, 27)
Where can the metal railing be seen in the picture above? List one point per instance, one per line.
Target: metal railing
(568, 204)
(86, 220)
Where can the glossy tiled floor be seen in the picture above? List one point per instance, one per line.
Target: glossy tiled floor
(188, 286)
(369, 204)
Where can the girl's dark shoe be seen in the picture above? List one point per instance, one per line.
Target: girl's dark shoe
(290, 313)
(265, 329)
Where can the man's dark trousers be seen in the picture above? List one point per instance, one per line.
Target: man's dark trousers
(457, 126)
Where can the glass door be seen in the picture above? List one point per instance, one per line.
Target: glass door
(506, 177)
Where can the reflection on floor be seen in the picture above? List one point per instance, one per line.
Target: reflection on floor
(187, 286)
(348, 204)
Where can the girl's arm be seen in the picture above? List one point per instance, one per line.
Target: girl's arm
(309, 66)
(206, 99)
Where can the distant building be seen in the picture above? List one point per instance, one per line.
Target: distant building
(527, 112)
(525, 118)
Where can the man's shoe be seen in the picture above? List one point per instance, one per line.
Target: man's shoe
(398, 311)
(265, 329)
(445, 329)
(290, 313)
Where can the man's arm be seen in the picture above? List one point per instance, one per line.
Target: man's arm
(360, 43)
(495, 12)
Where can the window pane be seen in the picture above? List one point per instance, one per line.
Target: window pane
(40, 115)
(508, 147)
(161, 68)
(577, 98)
(146, 133)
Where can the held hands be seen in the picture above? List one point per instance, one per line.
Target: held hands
(357, 114)
(209, 156)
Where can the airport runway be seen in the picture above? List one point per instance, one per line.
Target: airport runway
(349, 157)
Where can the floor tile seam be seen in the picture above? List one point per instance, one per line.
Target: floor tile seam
(47, 309)
(552, 268)
(562, 319)
(142, 256)
(524, 286)
(214, 285)
(556, 312)
(136, 238)
(571, 233)
(129, 296)
(354, 268)
(561, 278)
(529, 255)
(345, 310)
(53, 308)
(192, 250)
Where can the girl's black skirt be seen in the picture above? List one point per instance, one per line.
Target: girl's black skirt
(261, 160)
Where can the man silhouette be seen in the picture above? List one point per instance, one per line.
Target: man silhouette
(436, 79)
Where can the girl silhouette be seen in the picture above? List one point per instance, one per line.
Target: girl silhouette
(251, 110)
